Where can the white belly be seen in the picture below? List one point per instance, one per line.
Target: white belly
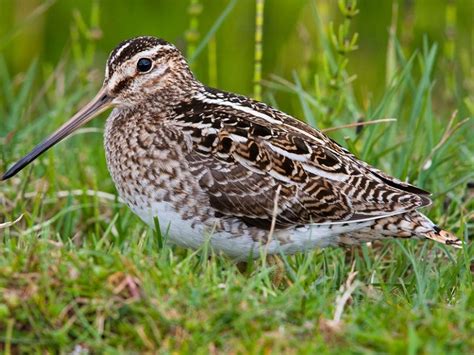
(192, 234)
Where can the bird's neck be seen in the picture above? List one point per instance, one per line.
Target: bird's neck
(174, 92)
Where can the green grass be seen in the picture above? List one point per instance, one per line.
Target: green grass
(79, 269)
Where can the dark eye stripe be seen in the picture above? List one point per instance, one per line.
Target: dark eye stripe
(125, 83)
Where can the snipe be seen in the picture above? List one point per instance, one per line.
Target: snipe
(219, 166)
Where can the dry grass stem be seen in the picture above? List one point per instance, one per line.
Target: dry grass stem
(446, 135)
(9, 224)
(274, 214)
(63, 194)
(358, 124)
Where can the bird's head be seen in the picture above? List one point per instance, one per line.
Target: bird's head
(139, 71)
(145, 69)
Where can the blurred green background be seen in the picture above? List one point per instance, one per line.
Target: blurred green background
(32, 29)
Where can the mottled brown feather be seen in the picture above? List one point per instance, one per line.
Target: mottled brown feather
(245, 171)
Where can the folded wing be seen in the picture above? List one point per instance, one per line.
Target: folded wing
(246, 165)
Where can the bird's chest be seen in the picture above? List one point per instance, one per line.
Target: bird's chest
(147, 162)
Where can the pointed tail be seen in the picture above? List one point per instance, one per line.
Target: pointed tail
(444, 237)
(406, 225)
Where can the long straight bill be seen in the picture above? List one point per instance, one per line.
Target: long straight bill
(99, 104)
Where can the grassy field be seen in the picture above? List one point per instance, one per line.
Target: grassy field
(80, 272)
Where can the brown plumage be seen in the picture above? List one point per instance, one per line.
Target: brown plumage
(212, 164)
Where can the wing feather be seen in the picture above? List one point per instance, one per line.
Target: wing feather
(248, 158)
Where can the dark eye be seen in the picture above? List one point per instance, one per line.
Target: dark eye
(144, 65)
